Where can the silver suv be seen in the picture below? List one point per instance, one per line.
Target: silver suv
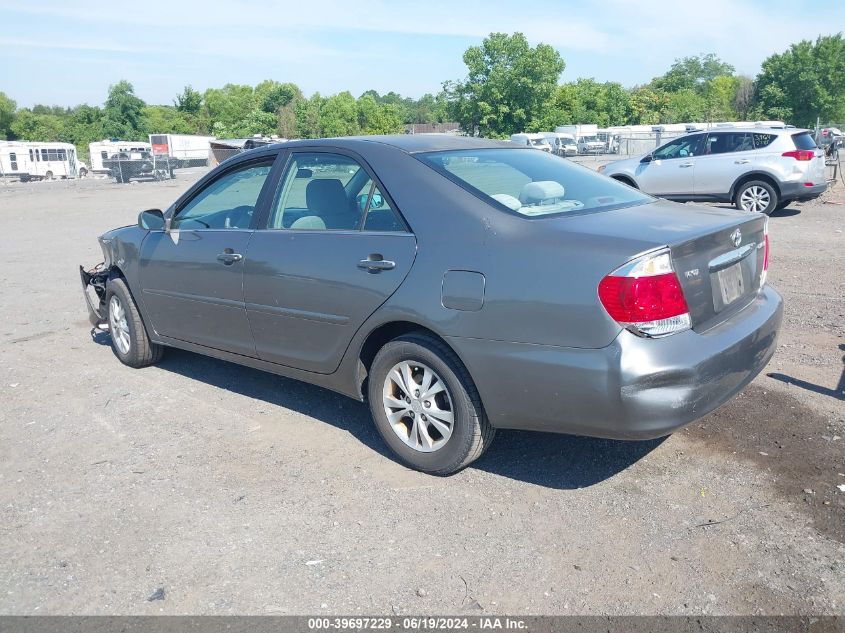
(758, 169)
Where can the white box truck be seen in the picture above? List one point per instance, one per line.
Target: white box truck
(188, 149)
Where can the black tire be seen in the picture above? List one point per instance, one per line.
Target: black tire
(471, 431)
(141, 351)
(83, 172)
(783, 204)
(48, 175)
(773, 198)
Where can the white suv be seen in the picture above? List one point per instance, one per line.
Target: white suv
(758, 169)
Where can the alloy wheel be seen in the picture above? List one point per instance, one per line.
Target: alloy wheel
(755, 199)
(418, 406)
(118, 326)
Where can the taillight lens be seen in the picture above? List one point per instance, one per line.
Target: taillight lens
(646, 297)
(800, 154)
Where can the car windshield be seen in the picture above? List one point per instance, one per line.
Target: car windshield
(538, 141)
(533, 183)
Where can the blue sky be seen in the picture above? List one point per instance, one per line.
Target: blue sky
(67, 52)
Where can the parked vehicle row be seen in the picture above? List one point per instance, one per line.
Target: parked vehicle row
(394, 270)
(759, 170)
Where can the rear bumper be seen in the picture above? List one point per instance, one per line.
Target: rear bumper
(797, 191)
(634, 388)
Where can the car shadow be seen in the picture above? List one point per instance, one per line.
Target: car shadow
(837, 393)
(786, 212)
(555, 461)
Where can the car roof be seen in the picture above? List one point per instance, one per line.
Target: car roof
(752, 129)
(410, 143)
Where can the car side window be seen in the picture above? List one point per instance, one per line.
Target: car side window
(683, 147)
(227, 202)
(725, 142)
(763, 140)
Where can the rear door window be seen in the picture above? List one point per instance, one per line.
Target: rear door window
(727, 142)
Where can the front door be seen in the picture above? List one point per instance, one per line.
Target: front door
(192, 275)
(332, 250)
(672, 167)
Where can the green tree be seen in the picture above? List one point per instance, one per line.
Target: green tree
(692, 73)
(271, 95)
(7, 115)
(162, 119)
(507, 85)
(123, 113)
(684, 105)
(720, 96)
(308, 117)
(804, 82)
(376, 118)
(585, 101)
(29, 126)
(82, 126)
(189, 101)
(339, 115)
(224, 108)
(647, 106)
(743, 101)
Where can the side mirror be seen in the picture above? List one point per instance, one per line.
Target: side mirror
(151, 220)
(647, 158)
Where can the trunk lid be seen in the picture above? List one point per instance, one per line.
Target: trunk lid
(717, 253)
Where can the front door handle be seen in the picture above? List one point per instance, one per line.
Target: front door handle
(741, 162)
(229, 258)
(685, 165)
(376, 263)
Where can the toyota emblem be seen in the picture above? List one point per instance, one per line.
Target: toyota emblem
(736, 237)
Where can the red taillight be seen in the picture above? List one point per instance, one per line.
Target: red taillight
(800, 154)
(639, 299)
(646, 296)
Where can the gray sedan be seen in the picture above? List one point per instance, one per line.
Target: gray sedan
(458, 285)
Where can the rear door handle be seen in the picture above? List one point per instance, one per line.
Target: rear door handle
(685, 165)
(229, 258)
(741, 162)
(375, 263)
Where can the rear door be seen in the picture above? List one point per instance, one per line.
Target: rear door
(192, 275)
(725, 157)
(672, 168)
(332, 249)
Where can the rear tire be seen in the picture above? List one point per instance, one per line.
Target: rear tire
(756, 196)
(129, 339)
(446, 400)
(48, 175)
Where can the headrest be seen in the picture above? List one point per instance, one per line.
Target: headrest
(325, 196)
(536, 192)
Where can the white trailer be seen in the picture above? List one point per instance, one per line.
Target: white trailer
(28, 160)
(188, 149)
(100, 151)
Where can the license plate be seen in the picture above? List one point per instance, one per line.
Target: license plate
(731, 284)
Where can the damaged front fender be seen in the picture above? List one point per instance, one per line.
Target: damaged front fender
(94, 288)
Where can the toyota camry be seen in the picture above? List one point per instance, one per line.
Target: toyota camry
(457, 285)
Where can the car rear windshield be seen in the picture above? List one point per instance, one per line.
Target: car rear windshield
(532, 183)
(804, 140)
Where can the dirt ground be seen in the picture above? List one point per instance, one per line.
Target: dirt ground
(198, 486)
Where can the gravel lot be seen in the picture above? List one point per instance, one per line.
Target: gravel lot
(198, 486)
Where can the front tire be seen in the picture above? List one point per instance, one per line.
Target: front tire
(426, 407)
(756, 196)
(129, 339)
